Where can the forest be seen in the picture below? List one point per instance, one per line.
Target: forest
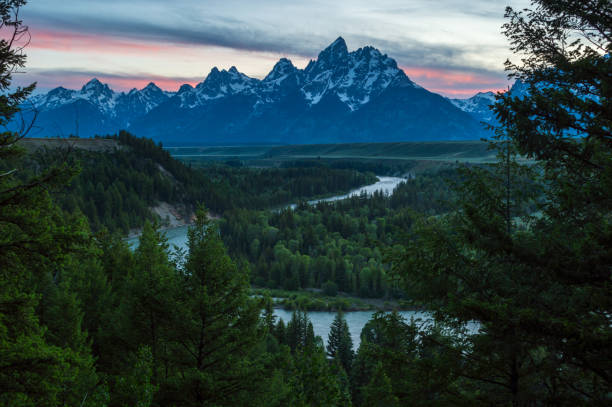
(114, 190)
(521, 249)
(334, 246)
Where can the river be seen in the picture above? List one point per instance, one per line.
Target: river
(356, 320)
(384, 184)
(178, 236)
(321, 320)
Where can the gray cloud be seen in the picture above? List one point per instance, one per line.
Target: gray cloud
(222, 32)
(281, 27)
(237, 34)
(75, 78)
(493, 9)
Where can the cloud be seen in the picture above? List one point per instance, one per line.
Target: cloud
(478, 8)
(241, 34)
(50, 39)
(228, 33)
(273, 28)
(456, 84)
(75, 78)
(128, 37)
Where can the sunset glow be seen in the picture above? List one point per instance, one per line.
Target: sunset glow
(173, 44)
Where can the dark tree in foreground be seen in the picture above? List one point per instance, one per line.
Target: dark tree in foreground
(565, 122)
(39, 366)
(538, 282)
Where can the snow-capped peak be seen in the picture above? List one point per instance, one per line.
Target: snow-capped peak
(185, 88)
(223, 83)
(94, 86)
(334, 55)
(355, 77)
(486, 95)
(284, 76)
(281, 69)
(142, 101)
(336, 52)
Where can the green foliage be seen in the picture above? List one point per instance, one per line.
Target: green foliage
(219, 323)
(259, 188)
(538, 285)
(39, 366)
(340, 344)
(116, 189)
(151, 299)
(135, 387)
(378, 392)
(330, 288)
(31, 369)
(333, 244)
(514, 264)
(306, 374)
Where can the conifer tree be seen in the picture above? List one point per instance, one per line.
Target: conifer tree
(36, 367)
(531, 263)
(151, 301)
(219, 324)
(299, 332)
(339, 342)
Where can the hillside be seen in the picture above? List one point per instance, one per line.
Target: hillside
(125, 180)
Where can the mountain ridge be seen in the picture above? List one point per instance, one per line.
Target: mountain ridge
(358, 96)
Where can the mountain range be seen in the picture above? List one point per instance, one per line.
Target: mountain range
(342, 96)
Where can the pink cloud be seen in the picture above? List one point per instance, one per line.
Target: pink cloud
(454, 83)
(448, 82)
(47, 39)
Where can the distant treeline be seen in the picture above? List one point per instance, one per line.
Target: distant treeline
(335, 246)
(261, 188)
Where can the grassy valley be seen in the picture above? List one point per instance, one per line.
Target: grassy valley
(438, 151)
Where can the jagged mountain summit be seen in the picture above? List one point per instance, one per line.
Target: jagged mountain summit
(341, 96)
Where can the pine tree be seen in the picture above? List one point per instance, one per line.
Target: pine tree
(537, 282)
(36, 368)
(151, 300)
(564, 121)
(340, 343)
(219, 324)
(299, 332)
(314, 383)
(387, 339)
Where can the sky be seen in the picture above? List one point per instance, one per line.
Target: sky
(452, 47)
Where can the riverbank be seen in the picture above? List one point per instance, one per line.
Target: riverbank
(177, 235)
(316, 300)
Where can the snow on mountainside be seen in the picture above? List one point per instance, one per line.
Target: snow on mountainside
(104, 98)
(479, 106)
(290, 104)
(353, 77)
